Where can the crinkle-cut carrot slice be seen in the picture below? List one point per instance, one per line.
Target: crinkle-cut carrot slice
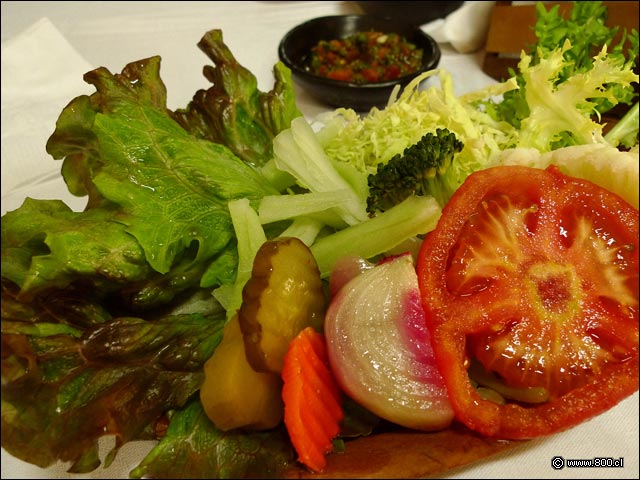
(312, 410)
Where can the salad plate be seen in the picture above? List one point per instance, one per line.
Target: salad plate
(612, 435)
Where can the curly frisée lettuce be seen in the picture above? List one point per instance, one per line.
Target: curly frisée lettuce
(561, 115)
(586, 30)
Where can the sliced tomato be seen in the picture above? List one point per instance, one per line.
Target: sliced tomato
(533, 275)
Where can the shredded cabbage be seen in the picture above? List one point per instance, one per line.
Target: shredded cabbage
(366, 141)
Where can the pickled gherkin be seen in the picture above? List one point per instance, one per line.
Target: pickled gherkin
(283, 296)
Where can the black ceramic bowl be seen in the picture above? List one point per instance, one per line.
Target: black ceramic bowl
(295, 49)
(417, 13)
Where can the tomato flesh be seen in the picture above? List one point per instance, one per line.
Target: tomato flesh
(534, 275)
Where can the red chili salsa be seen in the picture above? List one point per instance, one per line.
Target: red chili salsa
(365, 57)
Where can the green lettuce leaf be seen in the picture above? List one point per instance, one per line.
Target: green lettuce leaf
(46, 245)
(233, 112)
(171, 190)
(194, 448)
(108, 314)
(65, 387)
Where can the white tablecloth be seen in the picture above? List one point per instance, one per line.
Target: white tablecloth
(48, 46)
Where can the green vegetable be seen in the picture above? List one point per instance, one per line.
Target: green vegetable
(319, 205)
(582, 36)
(233, 112)
(625, 131)
(425, 168)
(62, 391)
(299, 153)
(169, 189)
(108, 314)
(363, 142)
(249, 237)
(586, 31)
(306, 229)
(412, 217)
(194, 448)
(45, 245)
(563, 114)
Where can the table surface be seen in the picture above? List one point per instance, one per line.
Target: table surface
(112, 34)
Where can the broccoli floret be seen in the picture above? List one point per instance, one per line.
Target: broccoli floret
(422, 169)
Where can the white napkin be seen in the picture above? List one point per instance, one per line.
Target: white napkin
(37, 83)
(466, 28)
